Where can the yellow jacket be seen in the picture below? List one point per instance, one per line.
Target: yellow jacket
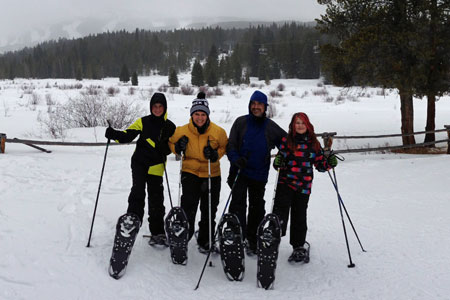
(194, 161)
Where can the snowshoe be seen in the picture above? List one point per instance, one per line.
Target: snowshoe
(300, 254)
(231, 247)
(177, 229)
(269, 236)
(127, 229)
(158, 240)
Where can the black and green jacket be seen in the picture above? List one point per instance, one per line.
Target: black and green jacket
(152, 145)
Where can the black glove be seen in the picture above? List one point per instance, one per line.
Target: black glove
(279, 162)
(167, 131)
(111, 133)
(241, 162)
(332, 160)
(181, 144)
(210, 153)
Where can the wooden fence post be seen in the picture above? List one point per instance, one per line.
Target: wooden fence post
(2, 142)
(448, 136)
(326, 136)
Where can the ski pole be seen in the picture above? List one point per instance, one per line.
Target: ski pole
(209, 204)
(179, 182)
(351, 265)
(98, 192)
(275, 189)
(345, 209)
(215, 234)
(168, 187)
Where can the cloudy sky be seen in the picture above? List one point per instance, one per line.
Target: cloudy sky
(20, 15)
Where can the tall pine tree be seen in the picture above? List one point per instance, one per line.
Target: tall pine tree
(197, 74)
(377, 43)
(173, 78)
(124, 74)
(212, 67)
(134, 79)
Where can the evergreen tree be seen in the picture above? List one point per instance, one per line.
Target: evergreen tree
(197, 74)
(173, 78)
(377, 44)
(247, 77)
(79, 73)
(134, 79)
(236, 67)
(211, 67)
(263, 69)
(124, 74)
(434, 28)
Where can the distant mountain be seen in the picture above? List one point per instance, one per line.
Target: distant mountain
(84, 27)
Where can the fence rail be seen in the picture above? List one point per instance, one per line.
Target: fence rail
(325, 136)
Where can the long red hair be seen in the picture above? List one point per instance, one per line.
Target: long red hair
(309, 131)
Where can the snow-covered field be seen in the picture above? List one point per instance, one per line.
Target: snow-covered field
(398, 203)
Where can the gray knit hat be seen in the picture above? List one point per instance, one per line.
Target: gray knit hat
(200, 104)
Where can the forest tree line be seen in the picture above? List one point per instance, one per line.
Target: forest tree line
(267, 52)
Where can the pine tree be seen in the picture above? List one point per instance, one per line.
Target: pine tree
(247, 77)
(377, 44)
(79, 73)
(211, 67)
(134, 79)
(124, 74)
(197, 74)
(236, 67)
(173, 78)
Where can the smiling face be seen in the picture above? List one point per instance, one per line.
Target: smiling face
(199, 118)
(157, 109)
(257, 108)
(299, 126)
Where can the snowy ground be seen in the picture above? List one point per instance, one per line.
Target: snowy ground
(398, 203)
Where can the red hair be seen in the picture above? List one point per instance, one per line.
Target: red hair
(309, 131)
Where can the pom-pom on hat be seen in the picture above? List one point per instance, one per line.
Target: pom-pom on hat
(200, 104)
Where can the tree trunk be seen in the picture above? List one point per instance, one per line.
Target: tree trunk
(407, 110)
(431, 115)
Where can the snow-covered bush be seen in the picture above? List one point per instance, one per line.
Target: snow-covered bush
(92, 90)
(218, 91)
(187, 89)
(49, 100)
(281, 87)
(89, 111)
(275, 93)
(35, 98)
(320, 92)
(272, 110)
(112, 91)
(163, 88)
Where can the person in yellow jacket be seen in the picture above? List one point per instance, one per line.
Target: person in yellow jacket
(199, 141)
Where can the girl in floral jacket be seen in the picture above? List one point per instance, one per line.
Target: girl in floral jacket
(299, 152)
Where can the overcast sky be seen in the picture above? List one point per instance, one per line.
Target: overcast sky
(20, 15)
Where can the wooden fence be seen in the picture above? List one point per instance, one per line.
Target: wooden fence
(325, 136)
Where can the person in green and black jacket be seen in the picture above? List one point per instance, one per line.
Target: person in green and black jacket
(148, 163)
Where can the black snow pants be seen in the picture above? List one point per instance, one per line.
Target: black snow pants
(256, 203)
(195, 192)
(155, 193)
(287, 199)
